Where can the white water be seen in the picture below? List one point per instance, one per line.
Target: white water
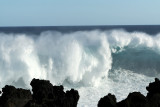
(80, 59)
(120, 83)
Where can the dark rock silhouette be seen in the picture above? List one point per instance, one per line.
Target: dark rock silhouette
(135, 99)
(47, 95)
(153, 88)
(108, 101)
(153, 94)
(44, 95)
(13, 97)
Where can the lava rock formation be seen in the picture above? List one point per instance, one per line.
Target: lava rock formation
(44, 95)
(135, 99)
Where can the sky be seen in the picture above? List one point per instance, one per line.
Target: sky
(79, 12)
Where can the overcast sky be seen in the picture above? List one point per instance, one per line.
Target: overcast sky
(79, 12)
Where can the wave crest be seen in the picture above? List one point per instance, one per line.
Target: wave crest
(83, 57)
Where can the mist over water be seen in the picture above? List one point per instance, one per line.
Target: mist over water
(94, 62)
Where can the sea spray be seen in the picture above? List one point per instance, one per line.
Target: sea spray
(80, 57)
(94, 62)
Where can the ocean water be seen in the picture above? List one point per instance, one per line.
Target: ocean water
(95, 60)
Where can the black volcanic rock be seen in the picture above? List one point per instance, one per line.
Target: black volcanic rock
(71, 96)
(135, 99)
(43, 89)
(107, 101)
(153, 88)
(153, 94)
(47, 95)
(155, 100)
(13, 97)
(44, 95)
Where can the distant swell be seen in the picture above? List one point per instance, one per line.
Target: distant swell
(83, 57)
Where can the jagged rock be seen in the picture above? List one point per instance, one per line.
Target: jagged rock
(13, 97)
(107, 101)
(153, 88)
(43, 89)
(47, 95)
(135, 99)
(153, 94)
(71, 96)
(44, 95)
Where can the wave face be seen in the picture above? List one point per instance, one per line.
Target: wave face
(95, 62)
(75, 57)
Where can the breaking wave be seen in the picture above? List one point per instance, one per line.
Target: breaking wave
(82, 57)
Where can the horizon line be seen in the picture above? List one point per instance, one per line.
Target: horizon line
(82, 25)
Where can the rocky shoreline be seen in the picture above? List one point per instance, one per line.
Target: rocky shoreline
(46, 95)
(135, 99)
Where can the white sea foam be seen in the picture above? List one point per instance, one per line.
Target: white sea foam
(120, 83)
(82, 60)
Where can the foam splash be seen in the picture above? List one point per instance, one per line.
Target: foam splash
(78, 57)
(88, 60)
(124, 39)
(75, 57)
(120, 82)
